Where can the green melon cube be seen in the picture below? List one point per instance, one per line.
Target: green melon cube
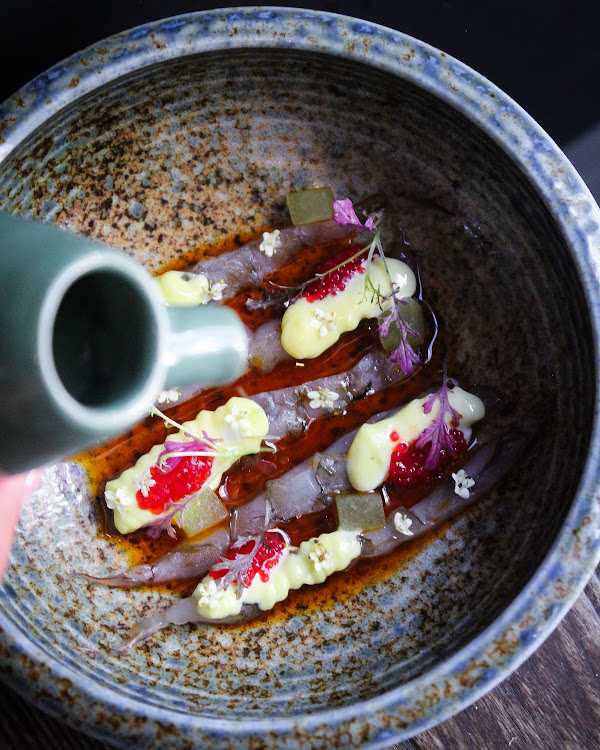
(310, 206)
(360, 510)
(203, 511)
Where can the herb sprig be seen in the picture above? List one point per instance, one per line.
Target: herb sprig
(438, 434)
(206, 446)
(404, 354)
(237, 569)
(345, 214)
(176, 450)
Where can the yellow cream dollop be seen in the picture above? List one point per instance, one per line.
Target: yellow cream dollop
(182, 289)
(312, 562)
(241, 424)
(309, 328)
(371, 450)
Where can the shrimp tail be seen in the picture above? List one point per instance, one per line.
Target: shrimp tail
(189, 561)
(487, 466)
(182, 612)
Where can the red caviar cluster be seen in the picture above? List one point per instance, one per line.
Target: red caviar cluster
(335, 281)
(187, 477)
(265, 558)
(407, 466)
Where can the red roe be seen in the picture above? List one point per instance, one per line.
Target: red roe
(407, 466)
(264, 560)
(187, 477)
(337, 280)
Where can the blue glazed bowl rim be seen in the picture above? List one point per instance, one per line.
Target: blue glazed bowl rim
(546, 598)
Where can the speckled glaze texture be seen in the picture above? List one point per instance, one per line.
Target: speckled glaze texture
(191, 130)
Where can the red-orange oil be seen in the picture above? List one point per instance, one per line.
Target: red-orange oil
(347, 584)
(248, 477)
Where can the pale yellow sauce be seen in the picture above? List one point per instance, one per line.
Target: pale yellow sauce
(240, 437)
(183, 289)
(336, 314)
(371, 450)
(312, 562)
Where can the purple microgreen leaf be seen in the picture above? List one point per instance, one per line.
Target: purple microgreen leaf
(437, 435)
(237, 570)
(404, 353)
(155, 529)
(209, 439)
(174, 451)
(384, 326)
(385, 322)
(405, 356)
(344, 214)
(165, 523)
(393, 327)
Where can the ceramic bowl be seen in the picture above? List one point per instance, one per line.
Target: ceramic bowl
(190, 130)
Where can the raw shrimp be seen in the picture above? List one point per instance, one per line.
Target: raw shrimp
(190, 560)
(248, 265)
(302, 490)
(486, 467)
(290, 409)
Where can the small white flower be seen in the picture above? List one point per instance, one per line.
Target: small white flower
(214, 291)
(117, 499)
(165, 397)
(207, 593)
(403, 524)
(144, 482)
(238, 418)
(462, 483)
(321, 557)
(202, 597)
(270, 243)
(322, 398)
(323, 321)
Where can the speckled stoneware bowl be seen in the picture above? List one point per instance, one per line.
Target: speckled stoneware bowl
(190, 130)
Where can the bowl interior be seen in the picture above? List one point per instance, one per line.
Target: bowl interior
(192, 152)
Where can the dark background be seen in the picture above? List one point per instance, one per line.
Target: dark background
(545, 54)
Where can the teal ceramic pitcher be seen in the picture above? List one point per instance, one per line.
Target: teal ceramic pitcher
(87, 343)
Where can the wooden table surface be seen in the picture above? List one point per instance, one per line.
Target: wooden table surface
(551, 703)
